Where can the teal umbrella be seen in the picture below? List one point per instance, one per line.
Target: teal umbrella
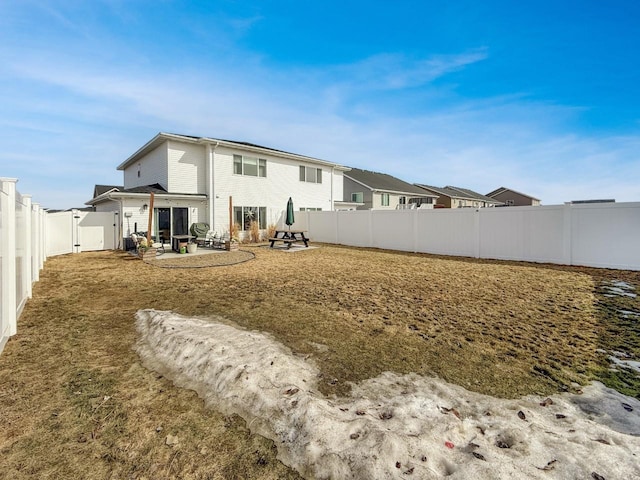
(289, 220)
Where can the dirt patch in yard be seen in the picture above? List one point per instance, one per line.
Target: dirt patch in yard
(77, 404)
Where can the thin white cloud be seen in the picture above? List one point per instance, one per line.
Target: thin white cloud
(479, 144)
(394, 71)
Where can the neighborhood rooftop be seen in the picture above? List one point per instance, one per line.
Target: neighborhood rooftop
(457, 192)
(383, 182)
(497, 191)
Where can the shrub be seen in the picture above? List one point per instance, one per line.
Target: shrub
(254, 232)
(271, 230)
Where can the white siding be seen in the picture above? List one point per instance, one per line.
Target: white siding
(139, 218)
(152, 168)
(187, 168)
(338, 186)
(273, 191)
(394, 200)
(108, 206)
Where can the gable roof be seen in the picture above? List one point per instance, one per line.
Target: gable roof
(460, 193)
(500, 190)
(475, 195)
(100, 189)
(156, 189)
(376, 181)
(162, 137)
(443, 191)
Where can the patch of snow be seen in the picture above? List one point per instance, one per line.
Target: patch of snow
(632, 364)
(620, 288)
(392, 426)
(629, 313)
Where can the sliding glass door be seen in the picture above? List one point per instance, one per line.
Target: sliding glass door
(180, 221)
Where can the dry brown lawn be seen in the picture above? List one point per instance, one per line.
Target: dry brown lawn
(76, 402)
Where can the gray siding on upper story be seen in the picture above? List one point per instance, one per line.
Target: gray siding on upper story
(350, 187)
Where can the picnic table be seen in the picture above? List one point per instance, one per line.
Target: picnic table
(289, 237)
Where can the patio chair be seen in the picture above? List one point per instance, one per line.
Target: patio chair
(136, 241)
(219, 240)
(200, 230)
(136, 238)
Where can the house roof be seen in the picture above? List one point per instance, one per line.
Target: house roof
(162, 137)
(500, 190)
(443, 191)
(460, 193)
(384, 182)
(474, 195)
(100, 189)
(156, 189)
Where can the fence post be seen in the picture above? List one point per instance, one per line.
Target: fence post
(566, 235)
(476, 233)
(371, 228)
(75, 232)
(415, 230)
(35, 242)
(9, 304)
(27, 282)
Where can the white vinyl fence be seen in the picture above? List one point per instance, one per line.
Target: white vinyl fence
(22, 253)
(28, 235)
(598, 235)
(76, 231)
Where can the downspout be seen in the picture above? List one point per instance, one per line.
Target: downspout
(210, 178)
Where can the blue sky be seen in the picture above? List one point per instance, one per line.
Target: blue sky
(542, 97)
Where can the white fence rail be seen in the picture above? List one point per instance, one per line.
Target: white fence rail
(596, 235)
(22, 253)
(28, 235)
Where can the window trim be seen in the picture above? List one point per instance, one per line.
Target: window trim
(242, 210)
(304, 175)
(385, 199)
(260, 165)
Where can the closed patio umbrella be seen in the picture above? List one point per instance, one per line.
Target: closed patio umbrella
(289, 219)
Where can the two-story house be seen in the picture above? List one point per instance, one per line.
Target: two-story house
(511, 198)
(193, 179)
(380, 191)
(457, 197)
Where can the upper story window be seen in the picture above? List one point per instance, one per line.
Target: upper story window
(310, 209)
(357, 197)
(385, 199)
(310, 174)
(252, 166)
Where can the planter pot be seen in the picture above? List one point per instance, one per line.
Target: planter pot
(230, 246)
(192, 247)
(149, 252)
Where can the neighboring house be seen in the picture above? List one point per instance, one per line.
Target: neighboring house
(193, 178)
(379, 191)
(456, 197)
(511, 198)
